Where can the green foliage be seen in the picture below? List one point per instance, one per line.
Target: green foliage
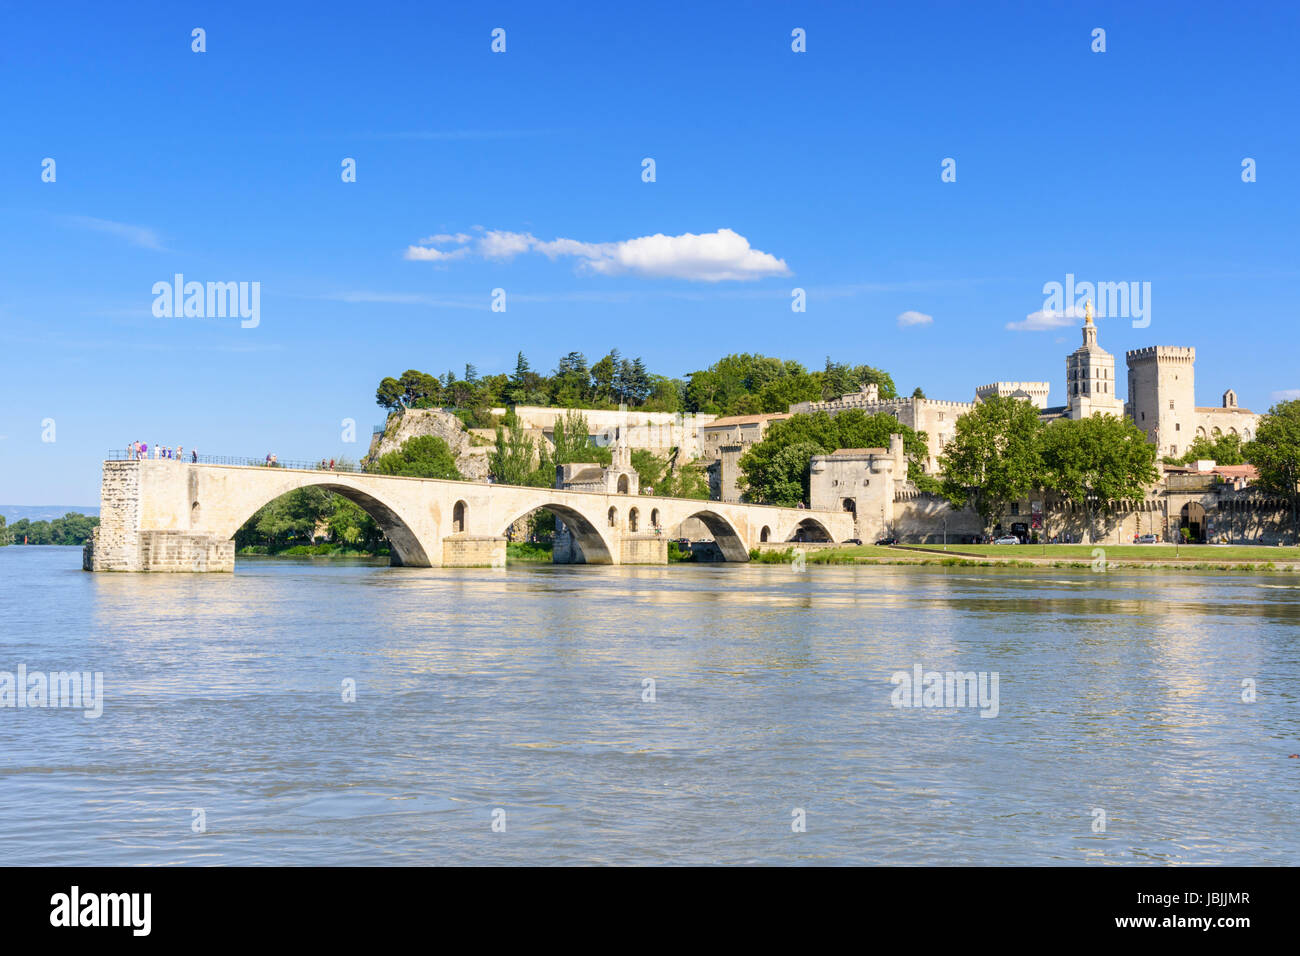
(745, 384)
(1097, 460)
(993, 458)
(72, 529)
(839, 379)
(734, 385)
(650, 470)
(775, 470)
(677, 556)
(297, 518)
(424, 457)
(1275, 453)
(1224, 450)
(572, 438)
(511, 463)
(528, 552)
(689, 481)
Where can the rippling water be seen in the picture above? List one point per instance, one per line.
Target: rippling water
(522, 690)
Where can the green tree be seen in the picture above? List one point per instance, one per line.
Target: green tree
(72, 529)
(774, 475)
(689, 481)
(424, 457)
(389, 393)
(292, 517)
(604, 378)
(993, 457)
(1223, 450)
(650, 470)
(1275, 453)
(1095, 462)
(511, 462)
(5, 534)
(571, 382)
(419, 390)
(573, 441)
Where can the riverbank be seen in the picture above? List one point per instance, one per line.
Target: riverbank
(310, 551)
(1239, 558)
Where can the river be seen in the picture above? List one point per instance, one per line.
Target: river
(504, 716)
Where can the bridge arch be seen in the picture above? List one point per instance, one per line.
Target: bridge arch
(593, 546)
(725, 535)
(407, 550)
(810, 529)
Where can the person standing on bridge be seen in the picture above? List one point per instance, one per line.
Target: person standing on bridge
(180, 452)
(194, 455)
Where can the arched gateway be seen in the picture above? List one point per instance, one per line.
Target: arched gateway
(177, 516)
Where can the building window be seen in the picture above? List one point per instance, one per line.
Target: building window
(1015, 507)
(1171, 404)
(1178, 426)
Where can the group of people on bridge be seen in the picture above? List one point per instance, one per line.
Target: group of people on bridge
(140, 451)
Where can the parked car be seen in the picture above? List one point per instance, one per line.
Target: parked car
(1148, 539)
(887, 541)
(853, 541)
(1007, 539)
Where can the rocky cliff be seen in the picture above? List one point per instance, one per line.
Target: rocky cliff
(471, 459)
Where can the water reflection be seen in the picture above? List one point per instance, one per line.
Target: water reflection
(522, 689)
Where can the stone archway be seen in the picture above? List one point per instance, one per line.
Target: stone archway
(407, 550)
(577, 539)
(1192, 517)
(812, 530)
(725, 535)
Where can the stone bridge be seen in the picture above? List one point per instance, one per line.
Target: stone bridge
(161, 515)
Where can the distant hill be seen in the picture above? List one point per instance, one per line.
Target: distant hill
(14, 513)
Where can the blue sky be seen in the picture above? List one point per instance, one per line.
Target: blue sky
(225, 166)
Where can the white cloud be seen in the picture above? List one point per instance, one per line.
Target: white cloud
(429, 254)
(442, 238)
(496, 244)
(1045, 319)
(1285, 395)
(914, 318)
(719, 256)
(136, 235)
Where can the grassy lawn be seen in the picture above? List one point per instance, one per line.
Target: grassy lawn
(822, 555)
(1125, 552)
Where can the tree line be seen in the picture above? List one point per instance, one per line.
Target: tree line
(72, 529)
(739, 384)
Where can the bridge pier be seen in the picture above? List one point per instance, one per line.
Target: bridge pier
(159, 551)
(643, 549)
(469, 551)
